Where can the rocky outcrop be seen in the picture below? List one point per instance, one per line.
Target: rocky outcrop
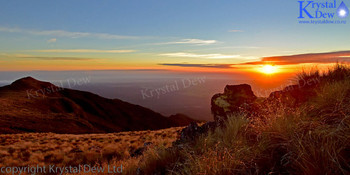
(241, 99)
(291, 96)
(236, 98)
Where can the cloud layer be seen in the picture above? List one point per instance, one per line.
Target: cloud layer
(44, 57)
(235, 31)
(198, 65)
(205, 56)
(191, 41)
(195, 41)
(320, 58)
(69, 34)
(329, 57)
(52, 40)
(83, 51)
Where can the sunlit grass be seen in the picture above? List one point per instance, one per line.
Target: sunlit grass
(67, 149)
(313, 138)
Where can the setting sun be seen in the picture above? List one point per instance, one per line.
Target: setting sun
(268, 69)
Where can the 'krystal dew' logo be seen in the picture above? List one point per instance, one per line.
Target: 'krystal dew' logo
(343, 10)
(325, 12)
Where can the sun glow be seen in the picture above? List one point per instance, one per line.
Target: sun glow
(268, 69)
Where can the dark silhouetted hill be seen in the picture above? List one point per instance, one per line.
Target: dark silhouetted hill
(29, 105)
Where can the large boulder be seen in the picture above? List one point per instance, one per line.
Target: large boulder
(193, 131)
(236, 98)
(293, 95)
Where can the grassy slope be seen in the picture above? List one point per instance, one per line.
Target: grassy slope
(67, 149)
(313, 139)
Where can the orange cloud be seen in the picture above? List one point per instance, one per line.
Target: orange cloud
(329, 57)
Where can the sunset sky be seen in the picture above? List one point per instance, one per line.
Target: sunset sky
(180, 35)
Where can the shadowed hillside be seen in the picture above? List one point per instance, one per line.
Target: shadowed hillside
(29, 105)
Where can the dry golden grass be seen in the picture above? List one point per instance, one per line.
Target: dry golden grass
(310, 139)
(67, 149)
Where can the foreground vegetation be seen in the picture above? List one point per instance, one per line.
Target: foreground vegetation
(68, 149)
(313, 138)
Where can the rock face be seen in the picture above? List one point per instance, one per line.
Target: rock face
(236, 98)
(292, 96)
(240, 98)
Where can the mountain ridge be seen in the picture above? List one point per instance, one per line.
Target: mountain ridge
(30, 105)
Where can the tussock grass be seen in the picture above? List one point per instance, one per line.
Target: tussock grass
(313, 138)
(68, 149)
